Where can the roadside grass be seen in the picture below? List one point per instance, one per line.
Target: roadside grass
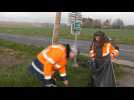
(122, 36)
(15, 74)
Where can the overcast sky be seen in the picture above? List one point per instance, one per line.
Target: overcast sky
(128, 17)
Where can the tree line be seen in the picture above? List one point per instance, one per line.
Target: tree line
(97, 23)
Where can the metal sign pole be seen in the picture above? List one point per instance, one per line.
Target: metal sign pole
(75, 60)
(75, 32)
(75, 18)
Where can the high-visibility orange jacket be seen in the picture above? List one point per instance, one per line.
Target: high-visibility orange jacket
(54, 56)
(106, 49)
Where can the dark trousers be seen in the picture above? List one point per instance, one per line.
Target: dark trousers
(37, 74)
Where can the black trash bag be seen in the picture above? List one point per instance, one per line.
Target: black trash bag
(103, 75)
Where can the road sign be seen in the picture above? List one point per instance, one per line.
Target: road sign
(75, 27)
(75, 16)
(75, 19)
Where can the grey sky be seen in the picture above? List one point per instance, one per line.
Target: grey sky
(128, 17)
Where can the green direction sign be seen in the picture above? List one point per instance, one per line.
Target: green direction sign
(76, 26)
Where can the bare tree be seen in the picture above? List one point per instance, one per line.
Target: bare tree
(107, 23)
(118, 23)
(87, 22)
(129, 26)
(97, 23)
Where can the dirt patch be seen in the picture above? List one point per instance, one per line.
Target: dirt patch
(10, 57)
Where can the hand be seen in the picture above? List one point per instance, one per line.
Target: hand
(56, 66)
(112, 56)
(91, 55)
(66, 83)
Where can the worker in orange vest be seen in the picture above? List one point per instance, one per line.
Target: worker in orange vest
(49, 61)
(102, 52)
(101, 41)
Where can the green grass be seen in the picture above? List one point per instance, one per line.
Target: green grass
(17, 75)
(123, 36)
(27, 30)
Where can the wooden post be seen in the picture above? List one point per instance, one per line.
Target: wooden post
(56, 30)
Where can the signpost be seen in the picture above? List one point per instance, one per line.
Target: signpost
(77, 27)
(75, 21)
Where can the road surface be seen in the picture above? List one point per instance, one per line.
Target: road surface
(126, 51)
(128, 78)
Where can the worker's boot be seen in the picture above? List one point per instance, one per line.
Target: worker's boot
(52, 84)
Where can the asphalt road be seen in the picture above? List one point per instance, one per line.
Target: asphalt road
(127, 80)
(126, 51)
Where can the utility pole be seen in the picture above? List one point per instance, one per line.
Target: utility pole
(56, 30)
